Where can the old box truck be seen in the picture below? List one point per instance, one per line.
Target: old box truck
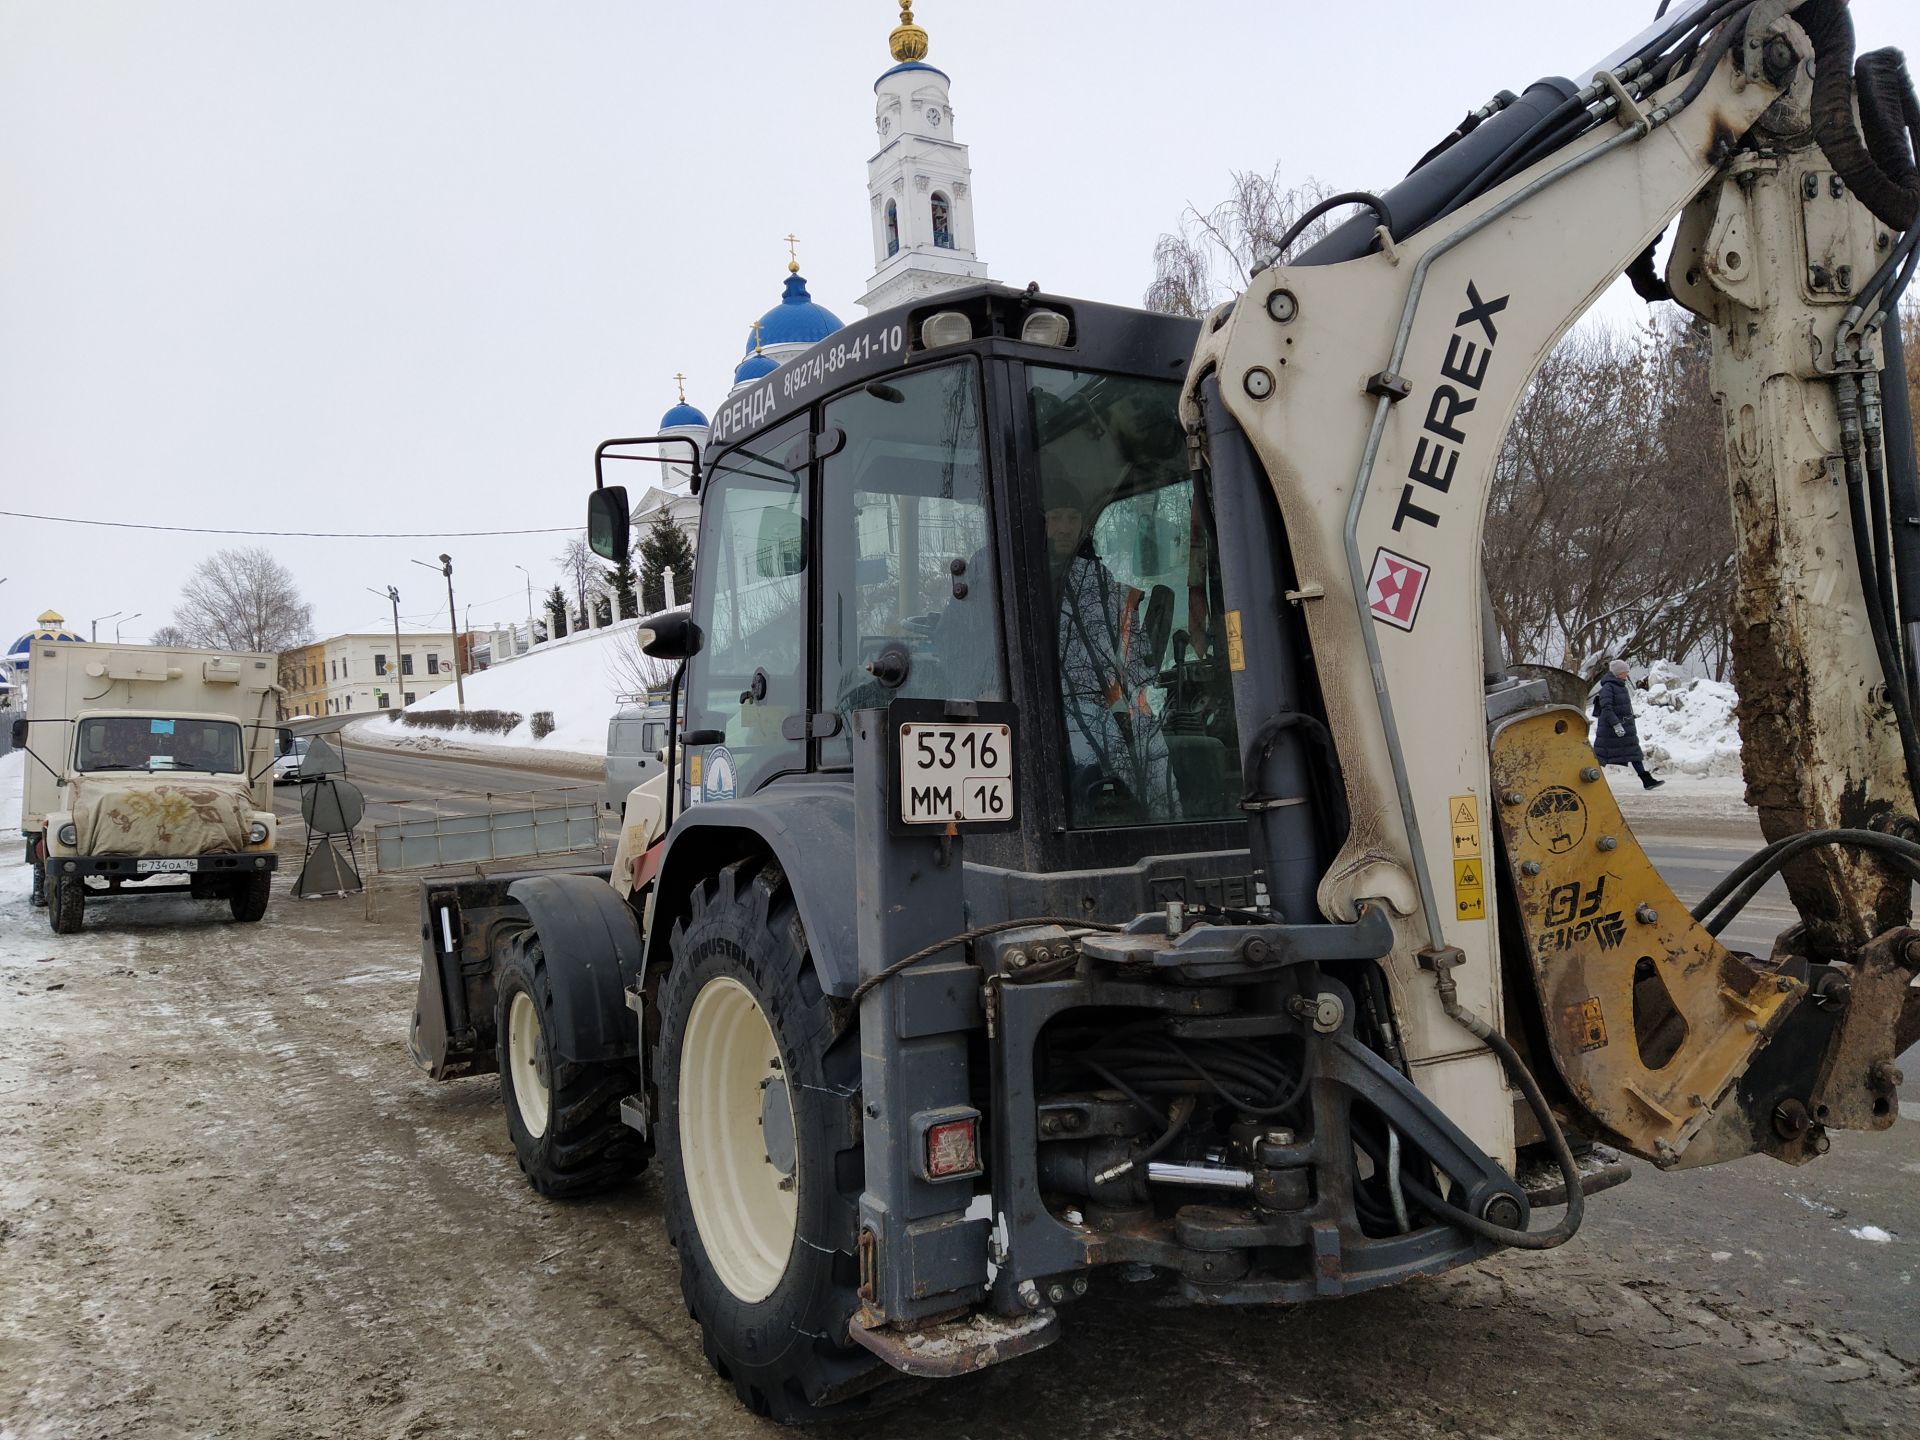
(147, 767)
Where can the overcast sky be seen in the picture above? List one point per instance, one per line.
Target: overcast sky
(400, 265)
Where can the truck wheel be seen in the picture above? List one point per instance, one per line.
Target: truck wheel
(248, 898)
(564, 1117)
(758, 1084)
(66, 903)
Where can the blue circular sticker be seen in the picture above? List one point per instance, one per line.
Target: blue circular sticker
(716, 774)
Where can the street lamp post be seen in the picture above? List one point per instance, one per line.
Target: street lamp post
(445, 567)
(123, 620)
(93, 633)
(529, 574)
(396, 682)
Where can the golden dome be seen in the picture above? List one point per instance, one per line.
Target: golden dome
(908, 40)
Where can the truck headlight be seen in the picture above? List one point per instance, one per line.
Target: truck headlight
(69, 834)
(257, 835)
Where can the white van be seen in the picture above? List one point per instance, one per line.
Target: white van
(636, 736)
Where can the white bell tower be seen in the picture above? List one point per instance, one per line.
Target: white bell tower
(919, 184)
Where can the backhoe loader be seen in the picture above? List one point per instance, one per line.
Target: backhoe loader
(1101, 830)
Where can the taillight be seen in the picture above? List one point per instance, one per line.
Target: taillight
(953, 1149)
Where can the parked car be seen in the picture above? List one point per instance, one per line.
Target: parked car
(636, 740)
(286, 768)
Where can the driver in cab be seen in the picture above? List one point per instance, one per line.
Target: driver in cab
(1119, 765)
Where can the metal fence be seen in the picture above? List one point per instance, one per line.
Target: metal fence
(512, 825)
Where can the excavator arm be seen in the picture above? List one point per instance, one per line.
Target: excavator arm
(1365, 386)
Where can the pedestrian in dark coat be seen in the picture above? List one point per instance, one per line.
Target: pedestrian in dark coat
(1616, 739)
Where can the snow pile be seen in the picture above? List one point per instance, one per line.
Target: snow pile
(15, 879)
(576, 678)
(1686, 723)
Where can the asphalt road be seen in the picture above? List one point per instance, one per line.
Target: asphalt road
(237, 1210)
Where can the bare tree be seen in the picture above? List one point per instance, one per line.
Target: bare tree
(168, 636)
(1608, 529)
(579, 566)
(242, 599)
(634, 671)
(1215, 252)
(1910, 339)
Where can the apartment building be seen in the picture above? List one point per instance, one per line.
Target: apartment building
(303, 676)
(355, 674)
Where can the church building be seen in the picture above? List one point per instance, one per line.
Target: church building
(920, 195)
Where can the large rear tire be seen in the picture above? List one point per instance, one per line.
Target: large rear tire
(66, 903)
(564, 1117)
(757, 1077)
(248, 898)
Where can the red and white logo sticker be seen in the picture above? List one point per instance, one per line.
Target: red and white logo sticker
(1395, 588)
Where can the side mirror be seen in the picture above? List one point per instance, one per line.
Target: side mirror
(19, 732)
(672, 636)
(286, 740)
(608, 521)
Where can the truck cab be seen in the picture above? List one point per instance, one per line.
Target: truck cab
(636, 740)
(985, 500)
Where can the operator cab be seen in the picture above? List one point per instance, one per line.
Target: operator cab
(983, 498)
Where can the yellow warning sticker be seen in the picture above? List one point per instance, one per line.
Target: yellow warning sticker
(1469, 890)
(1236, 647)
(1463, 819)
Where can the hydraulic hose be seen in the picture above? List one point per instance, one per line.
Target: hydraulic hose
(1517, 1071)
(1733, 893)
(1892, 195)
(1332, 202)
(1878, 621)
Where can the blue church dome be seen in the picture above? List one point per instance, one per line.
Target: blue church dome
(796, 320)
(914, 65)
(682, 414)
(753, 367)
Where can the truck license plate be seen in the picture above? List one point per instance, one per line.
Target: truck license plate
(151, 867)
(955, 773)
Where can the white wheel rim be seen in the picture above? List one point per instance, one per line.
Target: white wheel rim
(523, 1064)
(746, 1210)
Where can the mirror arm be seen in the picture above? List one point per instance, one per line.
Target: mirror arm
(604, 453)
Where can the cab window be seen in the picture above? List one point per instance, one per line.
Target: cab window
(1146, 702)
(750, 601)
(906, 554)
(141, 742)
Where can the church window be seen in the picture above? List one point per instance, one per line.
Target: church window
(942, 221)
(893, 228)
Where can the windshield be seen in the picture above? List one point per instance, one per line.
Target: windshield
(1145, 695)
(143, 742)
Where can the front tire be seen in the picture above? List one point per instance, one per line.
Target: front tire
(248, 898)
(564, 1117)
(66, 903)
(757, 1078)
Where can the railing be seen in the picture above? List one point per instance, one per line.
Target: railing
(472, 829)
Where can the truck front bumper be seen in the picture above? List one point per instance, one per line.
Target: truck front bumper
(147, 867)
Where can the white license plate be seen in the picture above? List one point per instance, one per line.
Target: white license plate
(154, 867)
(955, 773)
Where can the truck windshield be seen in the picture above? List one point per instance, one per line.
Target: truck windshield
(1145, 696)
(146, 742)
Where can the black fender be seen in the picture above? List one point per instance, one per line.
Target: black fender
(804, 824)
(592, 943)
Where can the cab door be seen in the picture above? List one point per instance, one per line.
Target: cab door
(750, 600)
